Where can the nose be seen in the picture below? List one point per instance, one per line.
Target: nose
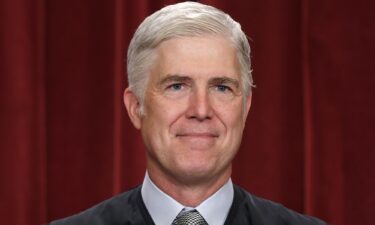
(200, 106)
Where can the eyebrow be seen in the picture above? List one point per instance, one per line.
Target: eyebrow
(174, 78)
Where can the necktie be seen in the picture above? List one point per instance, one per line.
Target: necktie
(189, 218)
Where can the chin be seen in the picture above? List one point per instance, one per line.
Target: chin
(196, 173)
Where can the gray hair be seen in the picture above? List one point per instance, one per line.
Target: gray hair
(187, 19)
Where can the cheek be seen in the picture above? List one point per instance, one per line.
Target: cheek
(230, 113)
(159, 119)
(167, 111)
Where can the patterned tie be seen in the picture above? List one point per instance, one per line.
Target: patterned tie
(189, 218)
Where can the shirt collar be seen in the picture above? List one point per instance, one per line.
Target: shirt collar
(214, 209)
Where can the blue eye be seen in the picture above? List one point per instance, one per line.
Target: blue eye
(222, 88)
(176, 87)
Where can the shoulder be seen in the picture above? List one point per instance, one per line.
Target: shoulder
(125, 208)
(257, 210)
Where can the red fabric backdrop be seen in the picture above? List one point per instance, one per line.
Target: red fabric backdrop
(66, 142)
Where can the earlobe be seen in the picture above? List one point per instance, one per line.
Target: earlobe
(133, 105)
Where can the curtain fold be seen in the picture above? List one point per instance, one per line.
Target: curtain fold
(22, 114)
(320, 179)
(66, 142)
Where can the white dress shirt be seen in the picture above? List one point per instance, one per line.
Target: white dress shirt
(163, 209)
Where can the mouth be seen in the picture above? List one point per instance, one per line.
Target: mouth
(197, 140)
(198, 135)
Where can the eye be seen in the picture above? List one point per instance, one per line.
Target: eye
(175, 87)
(222, 88)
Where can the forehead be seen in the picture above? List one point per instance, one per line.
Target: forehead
(205, 56)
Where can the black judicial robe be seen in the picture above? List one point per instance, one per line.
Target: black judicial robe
(128, 209)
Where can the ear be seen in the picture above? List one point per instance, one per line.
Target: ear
(133, 106)
(247, 106)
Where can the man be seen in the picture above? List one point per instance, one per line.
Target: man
(189, 94)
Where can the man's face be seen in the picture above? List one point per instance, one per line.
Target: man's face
(193, 109)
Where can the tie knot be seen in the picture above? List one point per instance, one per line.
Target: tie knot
(192, 217)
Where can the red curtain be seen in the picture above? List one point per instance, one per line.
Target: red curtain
(66, 142)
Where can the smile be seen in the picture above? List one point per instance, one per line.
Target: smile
(198, 135)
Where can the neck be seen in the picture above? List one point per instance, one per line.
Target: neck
(189, 192)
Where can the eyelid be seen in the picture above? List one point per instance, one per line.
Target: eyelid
(222, 88)
(229, 85)
(169, 85)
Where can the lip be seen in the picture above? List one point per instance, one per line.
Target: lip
(198, 135)
(197, 140)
